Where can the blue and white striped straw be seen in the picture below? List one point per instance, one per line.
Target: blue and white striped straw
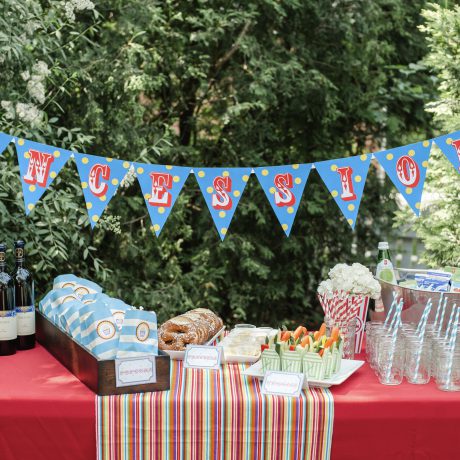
(397, 316)
(435, 324)
(424, 319)
(394, 335)
(450, 323)
(443, 311)
(452, 343)
(390, 311)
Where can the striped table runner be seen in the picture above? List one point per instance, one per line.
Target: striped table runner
(214, 415)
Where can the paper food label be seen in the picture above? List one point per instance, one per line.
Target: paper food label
(142, 331)
(105, 330)
(283, 383)
(202, 357)
(135, 371)
(81, 291)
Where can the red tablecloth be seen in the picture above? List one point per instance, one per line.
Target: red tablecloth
(46, 413)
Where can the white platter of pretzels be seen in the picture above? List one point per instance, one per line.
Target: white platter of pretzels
(195, 327)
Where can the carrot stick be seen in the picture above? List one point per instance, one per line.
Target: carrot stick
(297, 332)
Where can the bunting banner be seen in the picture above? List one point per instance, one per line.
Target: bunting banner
(450, 146)
(406, 166)
(100, 178)
(160, 186)
(222, 189)
(5, 139)
(345, 179)
(284, 186)
(39, 165)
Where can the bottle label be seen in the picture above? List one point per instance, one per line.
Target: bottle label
(26, 320)
(385, 271)
(8, 325)
(19, 253)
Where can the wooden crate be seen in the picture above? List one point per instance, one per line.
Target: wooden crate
(97, 375)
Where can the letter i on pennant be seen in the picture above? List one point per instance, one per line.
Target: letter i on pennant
(39, 165)
(100, 178)
(345, 179)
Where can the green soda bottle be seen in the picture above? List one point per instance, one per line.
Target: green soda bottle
(385, 270)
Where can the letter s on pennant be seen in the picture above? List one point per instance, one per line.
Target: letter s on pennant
(160, 195)
(39, 168)
(96, 186)
(284, 196)
(407, 171)
(221, 199)
(348, 193)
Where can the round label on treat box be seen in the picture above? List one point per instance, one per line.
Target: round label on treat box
(81, 291)
(105, 329)
(69, 284)
(142, 331)
(68, 299)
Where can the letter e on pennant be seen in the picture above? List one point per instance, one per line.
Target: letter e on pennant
(160, 195)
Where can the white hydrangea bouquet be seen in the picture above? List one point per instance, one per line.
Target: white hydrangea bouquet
(345, 297)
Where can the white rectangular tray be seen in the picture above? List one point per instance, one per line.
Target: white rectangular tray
(348, 367)
(179, 355)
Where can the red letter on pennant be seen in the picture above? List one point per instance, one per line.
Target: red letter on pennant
(456, 145)
(348, 192)
(407, 171)
(283, 196)
(39, 168)
(221, 199)
(97, 187)
(160, 195)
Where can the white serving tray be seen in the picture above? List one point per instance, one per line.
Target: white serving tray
(239, 358)
(179, 355)
(348, 367)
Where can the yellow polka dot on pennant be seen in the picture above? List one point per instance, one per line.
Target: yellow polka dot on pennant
(114, 181)
(84, 160)
(126, 164)
(449, 141)
(103, 198)
(95, 218)
(408, 191)
(290, 210)
(272, 190)
(225, 173)
(169, 167)
(57, 154)
(296, 166)
(245, 178)
(285, 227)
(201, 174)
(109, 159)
(223, 230)
(334, 168)
(222, 214)
(89, 205)
(351, 207)
(363, 157)
(32, 188)
(425, 164)
(418, 205)
(334, 193)
(210, 190)
(53, 174)
(84, 185)
(350, 221)
(389, 156)
(236, 193)
(264, 172)
(161, 210)
(411, 152)
(21, 141)
(27, 155)
(147, 196)
(140, 170)
(298, 180)
(30, 207)
(156, 227)
(426, 143)
(176, 178)
(358, 179)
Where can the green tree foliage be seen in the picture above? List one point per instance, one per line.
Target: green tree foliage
(207, 84)
(438, 225)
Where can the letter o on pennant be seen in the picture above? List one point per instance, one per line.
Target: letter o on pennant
(407, 171)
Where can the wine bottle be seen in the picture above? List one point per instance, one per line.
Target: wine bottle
(8, 326)
(24, 300)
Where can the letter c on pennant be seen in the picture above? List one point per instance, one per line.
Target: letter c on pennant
(96, 186)
(407, 171)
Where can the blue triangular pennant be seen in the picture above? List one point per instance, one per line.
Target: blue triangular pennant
(160, 185)
(100, 178)
(345, 179)
(39, 165)
(406, 166)
(5, 139)
(450, 146)
(222, 189)
(284, 186)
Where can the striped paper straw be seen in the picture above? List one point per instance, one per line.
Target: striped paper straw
(424, 319)
(452, 343)
(443, 311)
(397, 316)
(450, 323)
(393, 341)
(390, 311)
(437, 311)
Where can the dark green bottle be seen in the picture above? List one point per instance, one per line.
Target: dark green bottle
(8, 326)
(24, 300)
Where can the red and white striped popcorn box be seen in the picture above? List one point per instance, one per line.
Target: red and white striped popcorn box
(360, 305)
